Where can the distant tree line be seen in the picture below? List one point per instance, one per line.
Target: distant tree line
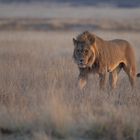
(119, 3)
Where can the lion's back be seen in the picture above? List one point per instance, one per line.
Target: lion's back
(122, 46)
(116, 51)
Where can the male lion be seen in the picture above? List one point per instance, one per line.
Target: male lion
(95, 55)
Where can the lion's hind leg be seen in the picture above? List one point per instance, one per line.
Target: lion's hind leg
(131, 72)
(113, 76)
(102, 81)
(113, 79)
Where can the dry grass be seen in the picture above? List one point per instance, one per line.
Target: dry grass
(39, 99)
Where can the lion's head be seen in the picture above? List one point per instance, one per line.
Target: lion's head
(84, 52)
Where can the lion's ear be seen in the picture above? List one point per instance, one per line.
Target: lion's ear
(75, 41)
(91, 39)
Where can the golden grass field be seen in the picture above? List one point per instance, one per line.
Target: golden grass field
(39, 98)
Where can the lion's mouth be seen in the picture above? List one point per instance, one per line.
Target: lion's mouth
(82, 65)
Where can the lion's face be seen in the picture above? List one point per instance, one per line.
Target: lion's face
(84, 54)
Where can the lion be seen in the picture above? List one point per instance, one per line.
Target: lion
(92, 54)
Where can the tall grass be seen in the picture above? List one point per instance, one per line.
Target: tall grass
(39, 98)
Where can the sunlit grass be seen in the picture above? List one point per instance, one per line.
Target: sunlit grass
(39, 98)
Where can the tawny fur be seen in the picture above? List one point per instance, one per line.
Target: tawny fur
(102, 57)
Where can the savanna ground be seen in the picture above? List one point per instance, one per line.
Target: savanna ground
(39, 98)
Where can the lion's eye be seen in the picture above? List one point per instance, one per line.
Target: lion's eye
(78, 51)
(86, 51)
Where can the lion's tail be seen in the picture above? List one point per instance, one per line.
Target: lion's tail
(138, 74)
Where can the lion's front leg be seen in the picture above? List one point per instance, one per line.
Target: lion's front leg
(82, 79)
(102, 81)
(82, 82)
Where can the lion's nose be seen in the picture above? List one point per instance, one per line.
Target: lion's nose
(81, 61)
